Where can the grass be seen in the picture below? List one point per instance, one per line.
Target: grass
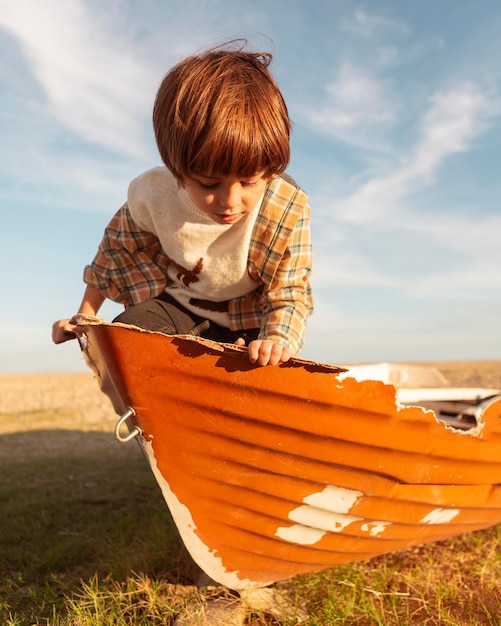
(454, 582)
(86, 540)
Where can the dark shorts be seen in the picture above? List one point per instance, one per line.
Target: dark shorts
(165, 315)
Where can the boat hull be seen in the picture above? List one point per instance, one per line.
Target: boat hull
(276, 471)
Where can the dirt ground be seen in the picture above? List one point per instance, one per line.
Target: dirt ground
(64, 400)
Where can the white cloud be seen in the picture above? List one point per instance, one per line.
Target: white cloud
(358, 108)
(367, 24)
(479, 282)
(471, 232)
(473, 241)
(422, 255)
(94, 84)
(454, 119)
(393, 42)
(344, 264)
(449, 255)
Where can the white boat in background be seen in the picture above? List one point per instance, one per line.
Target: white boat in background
(427, 387)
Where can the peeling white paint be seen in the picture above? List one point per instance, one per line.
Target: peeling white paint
(322, 512)
(335, 499)
(327, 521)
(211, 564)
(375, 529)
(308, 535)
(440, 516)
(303, 535)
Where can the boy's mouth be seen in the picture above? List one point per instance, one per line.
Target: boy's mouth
(229, 218)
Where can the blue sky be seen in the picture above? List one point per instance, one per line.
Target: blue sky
(397, 139)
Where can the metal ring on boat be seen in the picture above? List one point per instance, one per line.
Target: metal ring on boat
(133, 433)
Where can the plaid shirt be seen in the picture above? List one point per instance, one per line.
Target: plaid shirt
(130, 266)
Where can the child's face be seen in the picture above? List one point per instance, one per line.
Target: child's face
(226, 199)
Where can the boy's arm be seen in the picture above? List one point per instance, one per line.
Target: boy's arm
(286, 299)
(92, 300)
(280, 258)
(129, 266)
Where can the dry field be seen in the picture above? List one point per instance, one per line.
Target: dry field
(471, 373)
(58, 394)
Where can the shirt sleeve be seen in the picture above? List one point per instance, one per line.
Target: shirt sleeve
(286, 300)
(281, 260)
(129, 266)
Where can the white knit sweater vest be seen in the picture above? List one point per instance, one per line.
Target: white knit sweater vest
(208, 261)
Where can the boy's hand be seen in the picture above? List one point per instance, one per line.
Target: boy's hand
(62, 330)
(266, 352)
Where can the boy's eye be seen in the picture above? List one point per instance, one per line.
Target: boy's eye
(208, 185)
(216, 183)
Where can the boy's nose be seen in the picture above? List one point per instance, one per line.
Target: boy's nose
(229, 196)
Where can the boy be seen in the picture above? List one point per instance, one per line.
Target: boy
(216, 242)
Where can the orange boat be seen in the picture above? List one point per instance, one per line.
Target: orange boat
(276, 471)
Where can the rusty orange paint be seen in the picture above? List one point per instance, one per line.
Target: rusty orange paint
(271, 472)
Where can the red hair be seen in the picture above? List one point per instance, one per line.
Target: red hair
(221, 113)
